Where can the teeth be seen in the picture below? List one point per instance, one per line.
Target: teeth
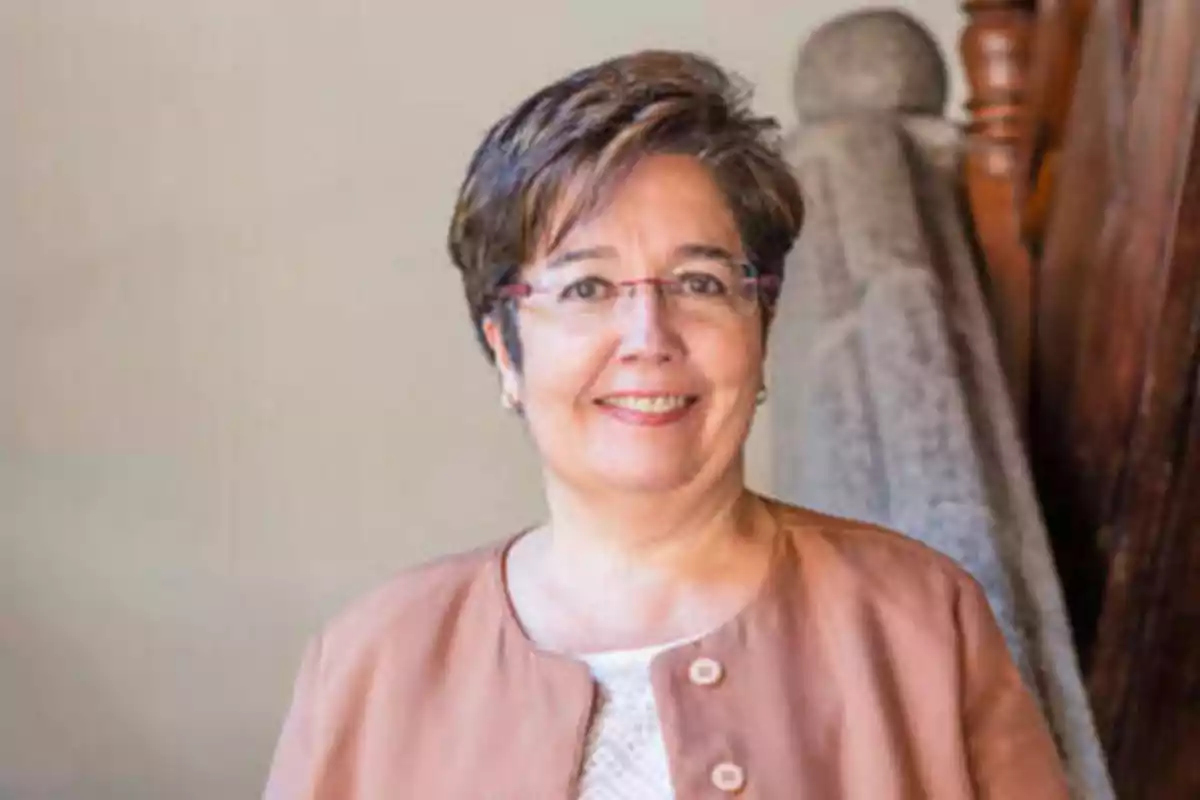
(659, 404)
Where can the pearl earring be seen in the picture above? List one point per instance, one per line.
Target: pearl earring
(761, 397)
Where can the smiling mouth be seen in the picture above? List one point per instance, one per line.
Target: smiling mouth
(658, 404)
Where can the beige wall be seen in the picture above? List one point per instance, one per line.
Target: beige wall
(238, 386)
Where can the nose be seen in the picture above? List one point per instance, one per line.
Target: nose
(646, 326)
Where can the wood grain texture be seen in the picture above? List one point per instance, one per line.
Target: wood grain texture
(1086, 223)
(1054, 61)
(1145, 671)
(1109, 207)
(994, 48)
(1091, 163)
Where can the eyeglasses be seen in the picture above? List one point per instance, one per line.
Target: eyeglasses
(704, 289)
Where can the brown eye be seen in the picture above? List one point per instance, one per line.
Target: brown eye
(587, 290)
(702, 284)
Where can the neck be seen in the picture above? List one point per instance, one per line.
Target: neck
(682, 535)
(614, 572)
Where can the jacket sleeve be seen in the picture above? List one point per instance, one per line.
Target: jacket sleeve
(1009, 746)
(293, 768)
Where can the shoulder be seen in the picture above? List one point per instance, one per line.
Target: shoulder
(416, 608)
(861, 546)
(871, 565)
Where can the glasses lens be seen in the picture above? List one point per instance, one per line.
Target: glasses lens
(717, 285)
(702, 287)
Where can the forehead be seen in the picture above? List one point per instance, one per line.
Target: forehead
(663, 202)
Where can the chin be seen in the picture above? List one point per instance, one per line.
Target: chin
(646, 481)
(638, 464)
(644, 472)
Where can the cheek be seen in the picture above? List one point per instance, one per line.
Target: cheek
(730, 358)
(558, 367)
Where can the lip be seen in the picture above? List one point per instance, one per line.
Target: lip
(649, 419)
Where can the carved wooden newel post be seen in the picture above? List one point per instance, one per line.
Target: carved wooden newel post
(995, 50)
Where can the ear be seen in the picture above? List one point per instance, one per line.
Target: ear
(508, 375)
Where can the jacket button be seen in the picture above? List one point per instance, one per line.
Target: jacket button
(705, 672)
(729, 777)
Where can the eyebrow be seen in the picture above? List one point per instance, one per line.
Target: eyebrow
(584, 254)
(694, 250)
(683, 251)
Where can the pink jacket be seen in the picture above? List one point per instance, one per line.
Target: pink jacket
(869, 667)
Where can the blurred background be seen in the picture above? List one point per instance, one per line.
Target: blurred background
(238, 384)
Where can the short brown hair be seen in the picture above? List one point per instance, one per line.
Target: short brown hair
(596, 124)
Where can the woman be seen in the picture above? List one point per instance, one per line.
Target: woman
(666, 633)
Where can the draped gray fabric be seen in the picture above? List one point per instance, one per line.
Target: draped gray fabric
(887, 398)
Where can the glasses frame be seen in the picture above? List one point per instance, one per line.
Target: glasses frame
(766, 286)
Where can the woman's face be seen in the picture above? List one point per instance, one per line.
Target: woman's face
(645, 396)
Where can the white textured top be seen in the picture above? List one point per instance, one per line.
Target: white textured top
(625, 757)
